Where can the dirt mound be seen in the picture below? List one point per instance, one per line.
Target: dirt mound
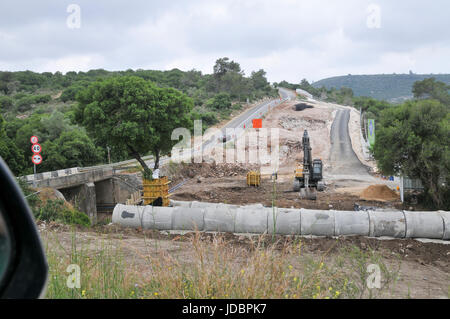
(379, 193)
(49, 193)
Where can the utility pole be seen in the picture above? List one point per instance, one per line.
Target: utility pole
(109, 155)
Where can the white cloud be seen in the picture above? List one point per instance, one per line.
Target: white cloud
(290, 39)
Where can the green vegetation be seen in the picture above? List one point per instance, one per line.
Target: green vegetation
(212, 269)
(34, 202)
(45, 105)
(52, 210)
(102, 273)
(133, 115)
(413, 140)
(71, 149)
(390, 87)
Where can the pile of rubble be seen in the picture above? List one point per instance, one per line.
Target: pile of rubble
(291, 123)
(206, 170)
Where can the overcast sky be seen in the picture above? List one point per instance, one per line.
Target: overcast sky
(289, 39)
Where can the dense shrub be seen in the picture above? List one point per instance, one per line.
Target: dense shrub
(54, 210)
(6, 103)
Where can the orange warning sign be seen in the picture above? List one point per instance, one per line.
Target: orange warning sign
(257, 123)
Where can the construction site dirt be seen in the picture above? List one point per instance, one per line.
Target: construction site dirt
(332, 132)
(233, 190)
(423, 267)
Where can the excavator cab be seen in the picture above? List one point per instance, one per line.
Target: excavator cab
(317, 170)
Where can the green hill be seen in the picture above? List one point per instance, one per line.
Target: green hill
(390, 87)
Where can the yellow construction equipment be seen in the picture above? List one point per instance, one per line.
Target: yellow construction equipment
(156, 191)
(254, 178)
(308, 175)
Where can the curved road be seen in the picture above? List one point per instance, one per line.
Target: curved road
(342, 156)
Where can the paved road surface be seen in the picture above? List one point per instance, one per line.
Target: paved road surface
(343, 159)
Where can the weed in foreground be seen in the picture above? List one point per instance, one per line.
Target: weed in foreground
(213, 268)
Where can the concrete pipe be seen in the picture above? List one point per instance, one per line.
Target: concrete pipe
(147, 217)
(203, 205)
(351, 223)
(284, 221)
(250, 220)
(424, 225)
(317, 222)
(187, 218)
(195, 204)
(260, 220)
(387, 224)
(179, 203)
(221, 218)
(446, 219)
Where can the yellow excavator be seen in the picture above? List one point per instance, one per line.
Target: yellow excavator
(308, 175)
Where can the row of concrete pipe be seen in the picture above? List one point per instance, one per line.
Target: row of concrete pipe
(257, 219)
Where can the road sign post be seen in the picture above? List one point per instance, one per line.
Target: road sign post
(36, 149)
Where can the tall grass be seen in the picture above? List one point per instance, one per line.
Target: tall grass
(213, 267)
(102, 265)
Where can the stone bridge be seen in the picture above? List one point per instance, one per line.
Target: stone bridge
(92, 191)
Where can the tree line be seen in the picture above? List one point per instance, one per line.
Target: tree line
(74, 114)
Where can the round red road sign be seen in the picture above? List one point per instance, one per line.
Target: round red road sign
(36, 159)
(34, 139)
(36, 148)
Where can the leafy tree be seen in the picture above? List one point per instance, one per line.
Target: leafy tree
(54, 125)
(221, 101)
(173, 111)
(430, 88)
(133, 115)
(12, 156)
(5, 79)
(24, 103)
(224, 65)
(72, 149)
(259, 80)
(120, 111)
(9, 151)
(413, 140)
(173, 78)
(6, 103)
(191, 79)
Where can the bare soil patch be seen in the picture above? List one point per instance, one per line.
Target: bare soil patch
(423, 267)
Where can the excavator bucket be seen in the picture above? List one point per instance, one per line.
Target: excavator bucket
(308, 193)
